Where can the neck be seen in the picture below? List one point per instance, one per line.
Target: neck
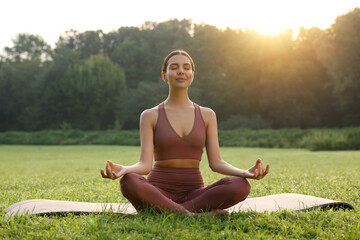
(178, 97)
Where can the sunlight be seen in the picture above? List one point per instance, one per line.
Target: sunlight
(270, 28)
(271, 17)
(268, 17)
(276, 16)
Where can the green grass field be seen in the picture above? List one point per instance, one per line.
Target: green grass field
(72, 173)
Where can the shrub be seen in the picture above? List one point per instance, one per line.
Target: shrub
(313, 139)
(240, 121)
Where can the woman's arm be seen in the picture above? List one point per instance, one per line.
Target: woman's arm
(216, 163)
(144, 165)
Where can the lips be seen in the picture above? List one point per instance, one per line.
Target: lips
(180, 79)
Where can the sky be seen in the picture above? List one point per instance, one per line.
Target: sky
(51, 18)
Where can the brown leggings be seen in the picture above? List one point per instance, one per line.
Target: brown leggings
(181, 189)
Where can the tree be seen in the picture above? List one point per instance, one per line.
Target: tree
(28, 47)
(90, 90)
(340, 53)
(133, 57)
(21, 73)
(86, 44)
(130, 106)
(316, 81)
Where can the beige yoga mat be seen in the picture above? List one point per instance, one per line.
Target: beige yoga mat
(271, 203)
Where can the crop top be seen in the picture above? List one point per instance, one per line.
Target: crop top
(169, 145)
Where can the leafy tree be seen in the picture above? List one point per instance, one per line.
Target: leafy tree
(210, 73)
(341, 55)
(21, 73)
(86, 44)
(245, 77)
(133, 57)
(112, 39)
(146, 95)
(316, 80)
(90, 90)
(28, 47)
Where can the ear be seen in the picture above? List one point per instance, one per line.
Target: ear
(193, 75)
(164, 77)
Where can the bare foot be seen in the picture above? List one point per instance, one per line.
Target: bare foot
(215, 212)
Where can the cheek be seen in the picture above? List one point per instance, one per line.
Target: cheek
(172, 73)
(190, 74)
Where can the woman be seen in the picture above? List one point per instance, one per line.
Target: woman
(176, 132)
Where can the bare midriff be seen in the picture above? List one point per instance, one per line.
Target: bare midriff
(178, 163)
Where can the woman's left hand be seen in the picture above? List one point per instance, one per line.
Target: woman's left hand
(257, 171)
(113, 170)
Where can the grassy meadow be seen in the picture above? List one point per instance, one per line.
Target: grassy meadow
(72, 173)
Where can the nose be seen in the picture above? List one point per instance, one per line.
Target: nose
(180, 71)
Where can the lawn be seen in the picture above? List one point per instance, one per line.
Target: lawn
(72, 173)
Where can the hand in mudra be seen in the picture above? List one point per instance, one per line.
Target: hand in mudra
(113, 170)
(257, 171)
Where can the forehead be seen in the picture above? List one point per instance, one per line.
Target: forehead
(179, 59)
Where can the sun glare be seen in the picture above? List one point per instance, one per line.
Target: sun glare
(275, 16)
(271, 28)
(268, 17)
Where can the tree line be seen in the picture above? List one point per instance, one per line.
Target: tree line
(94, 80)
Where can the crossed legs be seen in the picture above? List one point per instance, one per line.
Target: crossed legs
(222, 194)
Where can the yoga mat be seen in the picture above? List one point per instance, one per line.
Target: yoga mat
(271, 203)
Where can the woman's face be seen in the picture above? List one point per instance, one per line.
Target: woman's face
(179, 72)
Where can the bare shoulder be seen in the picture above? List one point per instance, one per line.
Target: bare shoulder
(208, 114)
(149, 115)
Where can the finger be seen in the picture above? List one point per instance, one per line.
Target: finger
(117, 175)
(256, 166)
(111, 165)
(103, 174)
(256, 173)
(108, 171)
(261, 167)
(266, 170)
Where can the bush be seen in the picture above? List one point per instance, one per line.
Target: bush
(313, 139)
(333, 139)
(240, 121)
(72, 137)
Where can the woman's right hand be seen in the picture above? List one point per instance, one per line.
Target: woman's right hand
(113, 170)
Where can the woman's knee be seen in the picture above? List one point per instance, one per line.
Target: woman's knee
(240, 188)
(129, 181)
(246, 186)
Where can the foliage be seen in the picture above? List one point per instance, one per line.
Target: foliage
(341, 55)
(72, 173)
(333, 140)
(28, 47)
(19, 88)
(90, 90)
(239, 121)
(313, 139)
(145, 96)
(308, 82)
(72, 137)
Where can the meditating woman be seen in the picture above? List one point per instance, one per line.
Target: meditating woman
(175, 132)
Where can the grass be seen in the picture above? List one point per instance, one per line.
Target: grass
(72, 173)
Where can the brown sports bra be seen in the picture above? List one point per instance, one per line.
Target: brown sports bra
(169, 145)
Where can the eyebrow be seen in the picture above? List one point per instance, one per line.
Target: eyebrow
(178, 64)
